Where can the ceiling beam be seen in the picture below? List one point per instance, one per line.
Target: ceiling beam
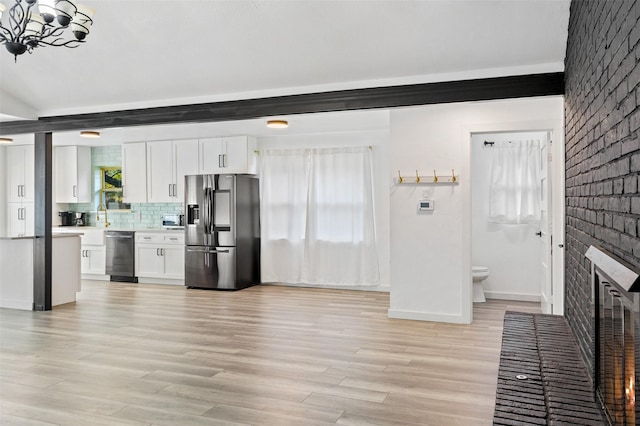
(342, 100)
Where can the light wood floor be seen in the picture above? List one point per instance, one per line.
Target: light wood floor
(163, 355)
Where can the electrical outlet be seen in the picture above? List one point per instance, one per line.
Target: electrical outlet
(136, 215)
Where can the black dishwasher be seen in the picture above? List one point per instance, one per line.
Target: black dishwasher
(121, 256)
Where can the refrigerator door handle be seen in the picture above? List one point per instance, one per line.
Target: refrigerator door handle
(206, 251)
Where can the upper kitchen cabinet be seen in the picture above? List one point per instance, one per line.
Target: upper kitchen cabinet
(72, 169)
(167, 164)
(134, 172)
(20, 172)
(235, 154)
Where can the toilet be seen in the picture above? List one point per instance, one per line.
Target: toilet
(479, 274)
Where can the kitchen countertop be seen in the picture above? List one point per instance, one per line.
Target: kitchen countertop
(66, 229)
(53, 235)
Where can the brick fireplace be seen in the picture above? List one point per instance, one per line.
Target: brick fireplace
(616, 295)
(602, 150)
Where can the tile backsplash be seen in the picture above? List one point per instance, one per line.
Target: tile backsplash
(143, 215)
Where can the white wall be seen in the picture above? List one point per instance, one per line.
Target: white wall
(3, 189)
(379, 141)
(511, 252)
(431, 254)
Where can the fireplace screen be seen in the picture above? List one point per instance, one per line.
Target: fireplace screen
(617, 338)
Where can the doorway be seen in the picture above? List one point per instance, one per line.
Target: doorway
(509, 216)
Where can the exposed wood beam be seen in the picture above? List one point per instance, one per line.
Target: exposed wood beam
(343, 100)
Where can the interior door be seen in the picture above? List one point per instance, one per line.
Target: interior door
(546, 292)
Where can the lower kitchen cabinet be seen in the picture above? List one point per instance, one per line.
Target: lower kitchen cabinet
(93, 260)
(159, 256)
(93, 253)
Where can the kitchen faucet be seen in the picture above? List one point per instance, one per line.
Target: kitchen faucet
(101, 207)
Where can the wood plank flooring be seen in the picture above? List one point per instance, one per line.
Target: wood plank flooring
(136, 354)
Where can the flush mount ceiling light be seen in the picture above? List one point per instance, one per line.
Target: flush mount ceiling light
(90, 134)
(277, 124)
(6, 140)
(24, 29)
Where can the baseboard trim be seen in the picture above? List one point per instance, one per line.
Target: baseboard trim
(163, 281)
(25, 305)
(381, 288)
(426, 316)
(95, 277)
(521, 297)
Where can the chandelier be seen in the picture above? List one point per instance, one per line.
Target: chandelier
(24, 28)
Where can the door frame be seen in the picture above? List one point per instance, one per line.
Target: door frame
(556, 129)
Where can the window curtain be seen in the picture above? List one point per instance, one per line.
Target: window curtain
(514, 196)
(318, 224)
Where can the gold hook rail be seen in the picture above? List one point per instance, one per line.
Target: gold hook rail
(433, 179)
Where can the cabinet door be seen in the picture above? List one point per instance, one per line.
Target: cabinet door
(235, 156)
(160, 183)
(16, 225)
(15, 173)
(186, 161)
(28, 214)
(29, 173)
(19, 165)
(211, 155)
(66, 174)
(173, 262)
(134, 172)
(147, 261)
(93, 260)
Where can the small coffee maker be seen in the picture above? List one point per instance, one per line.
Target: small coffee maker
(81, 219)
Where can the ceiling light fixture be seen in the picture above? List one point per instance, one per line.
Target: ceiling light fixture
(6, 140)
(90, 134)
(277, 124)
(25, 29)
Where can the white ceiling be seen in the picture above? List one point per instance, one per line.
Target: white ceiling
(144, 53)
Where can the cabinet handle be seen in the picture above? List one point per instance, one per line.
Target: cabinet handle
(170, 190)
(19, 214)
(74, 191)
(157, 252)
(220, 161)
(175, 190)
(24, 213)
(224, 160)
(124, 193)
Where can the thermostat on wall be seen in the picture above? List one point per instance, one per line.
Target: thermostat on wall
(425, 205)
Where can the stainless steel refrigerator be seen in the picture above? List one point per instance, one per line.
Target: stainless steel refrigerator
(222, 231)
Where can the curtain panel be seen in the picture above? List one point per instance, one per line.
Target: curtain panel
(514, 195)
(318, 224)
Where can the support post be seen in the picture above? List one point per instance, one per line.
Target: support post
(43, 178)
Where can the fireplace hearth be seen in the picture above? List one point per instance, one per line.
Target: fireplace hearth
(616, 295)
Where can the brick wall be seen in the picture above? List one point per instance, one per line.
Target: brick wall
(602, 115)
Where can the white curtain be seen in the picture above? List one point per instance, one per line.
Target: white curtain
(317, 212)
(514, 196)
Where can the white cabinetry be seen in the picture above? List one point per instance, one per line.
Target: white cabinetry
(134, 172)
(235, 154)
(72, 172)
(160, 255)
(167, 164)
(20, 216)
(93, 253)
(20, 177)
(19, 166)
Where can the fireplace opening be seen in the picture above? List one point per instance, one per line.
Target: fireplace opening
(616, 296)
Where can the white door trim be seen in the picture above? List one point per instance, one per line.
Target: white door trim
(556, 127)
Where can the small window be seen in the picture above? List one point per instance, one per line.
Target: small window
(111, 189)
